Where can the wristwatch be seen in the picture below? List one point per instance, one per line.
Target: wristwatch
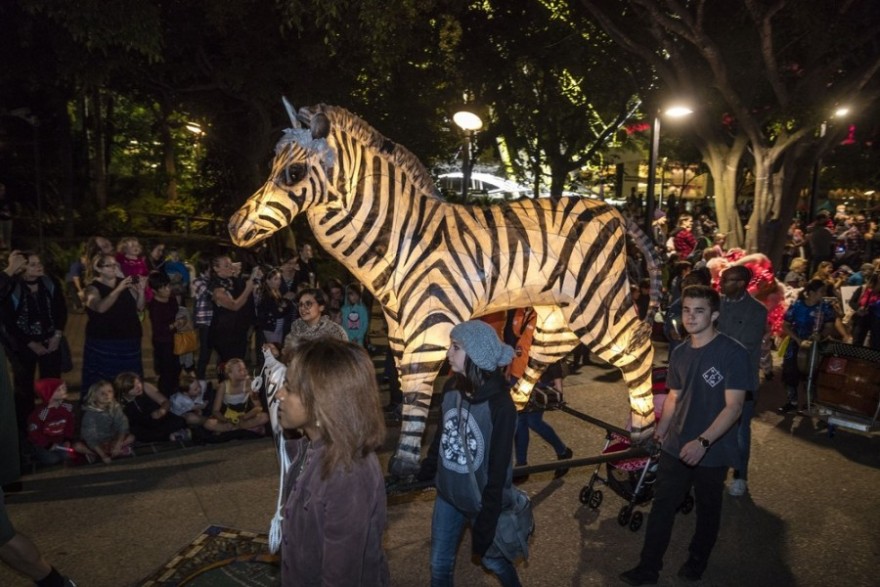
(704, 442)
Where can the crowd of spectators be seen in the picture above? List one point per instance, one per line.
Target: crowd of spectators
(230, 311)
(840, 248)
(234, 311)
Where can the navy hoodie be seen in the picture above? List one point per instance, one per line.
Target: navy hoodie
(484, 423)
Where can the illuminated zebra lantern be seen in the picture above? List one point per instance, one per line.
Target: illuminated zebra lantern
(431, 264)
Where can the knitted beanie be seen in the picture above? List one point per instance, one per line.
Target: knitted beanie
(481, 343)
(45, 388)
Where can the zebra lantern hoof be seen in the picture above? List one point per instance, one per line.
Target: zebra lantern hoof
(402, 469)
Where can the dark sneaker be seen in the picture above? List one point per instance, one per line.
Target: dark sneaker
(639, 576)
(787, 408)
(691, 570)
(562, 470)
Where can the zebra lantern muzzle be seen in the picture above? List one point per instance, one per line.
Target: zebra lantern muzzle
(260, 217)
(243, 231)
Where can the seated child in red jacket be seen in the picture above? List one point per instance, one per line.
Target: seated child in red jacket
(51, 426)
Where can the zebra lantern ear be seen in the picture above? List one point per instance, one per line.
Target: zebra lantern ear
(320, 126)
(291, 112)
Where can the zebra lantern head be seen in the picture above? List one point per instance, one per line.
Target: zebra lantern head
(299, 179)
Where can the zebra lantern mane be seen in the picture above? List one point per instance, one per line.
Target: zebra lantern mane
(360, 131)
(303, 137)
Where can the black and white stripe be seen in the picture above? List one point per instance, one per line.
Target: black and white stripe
(432, 264)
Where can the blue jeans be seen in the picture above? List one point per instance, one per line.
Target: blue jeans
(744, 438)
(447, 524)
(535, 421)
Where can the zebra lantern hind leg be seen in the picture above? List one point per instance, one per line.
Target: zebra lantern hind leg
(405, 462)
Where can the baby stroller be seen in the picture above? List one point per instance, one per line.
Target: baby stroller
(632, 479)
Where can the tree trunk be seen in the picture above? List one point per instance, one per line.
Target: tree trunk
(558, 174)
(64, 156)
(764, 200)
(169, 160)
(797, 163)
(723, 163)
(98, 156)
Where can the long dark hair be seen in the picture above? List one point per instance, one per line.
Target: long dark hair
(268, 292)
(473, 378)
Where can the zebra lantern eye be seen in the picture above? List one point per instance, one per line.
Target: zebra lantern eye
(293, 174)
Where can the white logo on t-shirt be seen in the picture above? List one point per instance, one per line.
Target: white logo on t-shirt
(713, 377)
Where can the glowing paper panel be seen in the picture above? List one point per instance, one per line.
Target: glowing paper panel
(373, 206)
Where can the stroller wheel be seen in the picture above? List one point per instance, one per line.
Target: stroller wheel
(624, 515)
(596, 499)
(687, 505)
(636, 522)
(586, 494)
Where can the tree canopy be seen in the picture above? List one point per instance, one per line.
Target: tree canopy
(115, 87)
(765, 76)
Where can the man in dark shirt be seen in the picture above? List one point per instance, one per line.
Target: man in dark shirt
(707, 380)
(821, 241)
(744, 319)
(305, 271)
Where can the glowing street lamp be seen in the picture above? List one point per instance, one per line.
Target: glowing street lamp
(839, 112)
(677, 111)
(467, 119)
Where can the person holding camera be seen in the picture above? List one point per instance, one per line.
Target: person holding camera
(113, 331)
(34, 316)
(233, 307)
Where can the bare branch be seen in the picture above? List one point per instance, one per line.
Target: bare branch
(681, 26)
(627, 42)
(763, 18)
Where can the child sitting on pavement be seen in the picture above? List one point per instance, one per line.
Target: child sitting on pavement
(148, 411)
(104, 425)
(52, 425)
(190, 404)
(236, 407)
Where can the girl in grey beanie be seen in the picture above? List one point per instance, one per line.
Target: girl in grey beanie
(470, 458)
(482, 345)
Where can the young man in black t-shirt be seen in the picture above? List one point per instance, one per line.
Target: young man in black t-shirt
(707, 379)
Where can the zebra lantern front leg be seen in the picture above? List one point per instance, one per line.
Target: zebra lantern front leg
(417, 386)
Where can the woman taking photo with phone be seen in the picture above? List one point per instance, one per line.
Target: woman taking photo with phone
(113, 331)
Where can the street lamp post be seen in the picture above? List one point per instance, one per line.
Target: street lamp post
(470, 122)
(652, 175)
(673, 112)
(817, 166)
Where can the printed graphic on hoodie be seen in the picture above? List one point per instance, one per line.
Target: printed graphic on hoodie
(460, 432)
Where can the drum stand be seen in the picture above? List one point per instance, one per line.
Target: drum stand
(833, 415)
(811, 375)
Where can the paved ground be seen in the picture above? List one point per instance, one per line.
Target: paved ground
(812, 517)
